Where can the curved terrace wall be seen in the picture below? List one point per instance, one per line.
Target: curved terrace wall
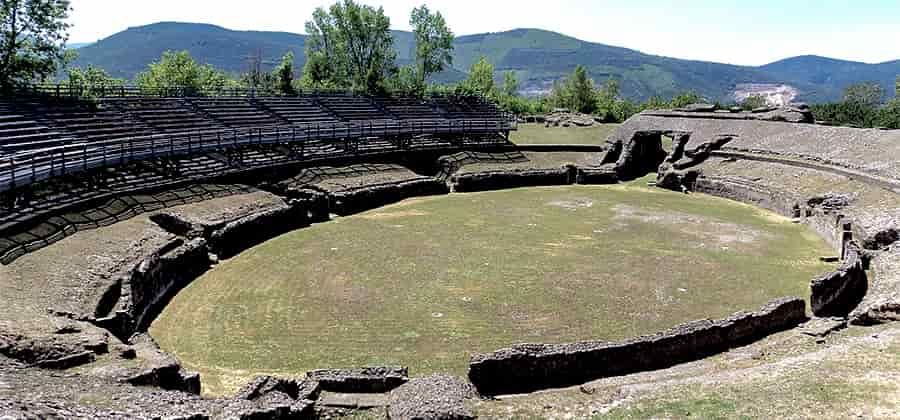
(132, 302)
(683, 343)
(532, 367)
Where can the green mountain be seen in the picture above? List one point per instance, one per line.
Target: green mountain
(826, 78)
(538, 57)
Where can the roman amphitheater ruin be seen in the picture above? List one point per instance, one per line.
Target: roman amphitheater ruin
(109, 210)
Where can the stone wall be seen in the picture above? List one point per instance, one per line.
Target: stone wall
(838, 293)
(882, 303)
(356, 200)
(739, 190)
(159, 278)
(242, 234)
(503, 179)
(532, 367)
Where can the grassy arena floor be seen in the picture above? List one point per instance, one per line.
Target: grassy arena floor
(428, 282)
(538, 134)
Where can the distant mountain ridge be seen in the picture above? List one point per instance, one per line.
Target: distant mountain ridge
(538, 57)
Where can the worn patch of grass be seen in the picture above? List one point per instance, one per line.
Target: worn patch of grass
(795, 397)
(538, 134)
(428, 282)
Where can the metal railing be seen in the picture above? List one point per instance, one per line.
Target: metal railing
(70, 91)
(30, 167)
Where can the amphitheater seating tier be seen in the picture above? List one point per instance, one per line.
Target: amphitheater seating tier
(20, 130)
(166, 115)
(298, 111)
(467, 108)
(409, 108)
(31, 124)
(236, 112)
(88, 123)
(355, 108)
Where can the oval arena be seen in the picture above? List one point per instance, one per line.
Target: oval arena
(390, 251)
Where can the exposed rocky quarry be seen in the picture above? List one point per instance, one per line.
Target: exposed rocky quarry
(73, 339)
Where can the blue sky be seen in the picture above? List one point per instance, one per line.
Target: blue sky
(748, 32)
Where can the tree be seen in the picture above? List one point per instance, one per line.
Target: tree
(510, 84)
(481, 77)
(897, 88)
(609, 92)
(607, 100)
(753, 102)
(581, 91)
(867, 95)
(255, 78)
(92, 81)
(684, 99)
(434, 42)
(406, 82)
(559, 94)
(318, 73)
(180, 70)
(351, 47)
(33, 34)
(284, 75)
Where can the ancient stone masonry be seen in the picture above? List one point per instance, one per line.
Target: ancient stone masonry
(532, 367)
(882, 303)
(491, 174)
(241, 234)
(20, 239)
(501, 179)
(432, 397)
(365, 380)
(356, 188)
(839, 292)
(153, 282)
(268, 397)
(641, 153)
(130, 296)
(356, 200)
(746, 192)
(798, 113)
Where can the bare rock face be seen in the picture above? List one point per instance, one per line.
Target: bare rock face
(438, 397)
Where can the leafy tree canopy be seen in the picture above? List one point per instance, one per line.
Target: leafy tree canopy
(284, 75)
(33, 34)
(179, 69)
(481, 77)
(867, 94)
(434, 42)
(349, 46)
(510, 84)
(753, 102)
(581, 89)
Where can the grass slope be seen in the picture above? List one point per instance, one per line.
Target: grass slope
(428, 282)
